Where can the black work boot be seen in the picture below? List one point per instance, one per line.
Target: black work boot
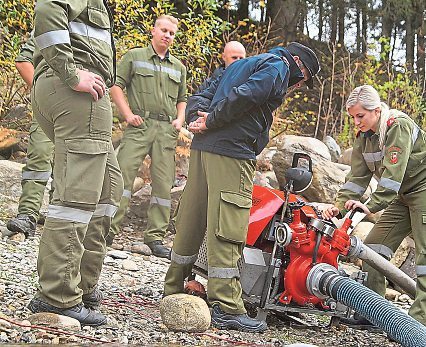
(85, 316)
(159, 250)
(359, 322)
(24, 224)
(93, 299)
(241, 322)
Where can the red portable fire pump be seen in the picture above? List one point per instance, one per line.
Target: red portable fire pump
(290, 263)
(286, 239)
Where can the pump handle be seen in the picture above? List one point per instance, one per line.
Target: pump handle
(358, 209)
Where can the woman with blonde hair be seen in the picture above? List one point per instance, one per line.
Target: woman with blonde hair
(392, 147)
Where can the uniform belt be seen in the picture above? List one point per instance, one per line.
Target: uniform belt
(161, 117)
(157, 116)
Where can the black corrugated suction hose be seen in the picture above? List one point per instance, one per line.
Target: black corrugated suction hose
(396, 323)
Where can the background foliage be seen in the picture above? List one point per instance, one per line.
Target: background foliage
(357, 42)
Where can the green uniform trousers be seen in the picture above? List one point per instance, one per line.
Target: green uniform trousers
(36, 171)
(88, 186)
(217, 197)
(158, 139)
(404, 215)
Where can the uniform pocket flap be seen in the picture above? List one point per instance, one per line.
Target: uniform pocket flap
(87, 146)
(98, 17)
(175, 78)
(144, 73)
(240, 200)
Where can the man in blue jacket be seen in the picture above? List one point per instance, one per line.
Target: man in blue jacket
(231, 121)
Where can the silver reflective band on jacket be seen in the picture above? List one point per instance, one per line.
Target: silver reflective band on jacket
(156, 68)
(353, 187)
(372, 157)
(56, 37)
(389, 184)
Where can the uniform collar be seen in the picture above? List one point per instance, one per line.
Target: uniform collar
(153, 53)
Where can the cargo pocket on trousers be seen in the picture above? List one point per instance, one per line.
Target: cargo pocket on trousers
(234, 212)
(85, 168)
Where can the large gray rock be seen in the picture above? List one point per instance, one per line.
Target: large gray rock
(346, 156)
(293, 143)
(10, 188)
(328, 177)
(182, 312)
(333, 148)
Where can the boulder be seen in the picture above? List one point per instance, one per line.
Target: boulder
(10, 189)
(182, 312)
(333, 148)
(310, 145)
(328, 177)
(345, 157)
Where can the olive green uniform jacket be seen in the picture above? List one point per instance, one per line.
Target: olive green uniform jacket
(154, 87)
(400, 168)
(69, 35)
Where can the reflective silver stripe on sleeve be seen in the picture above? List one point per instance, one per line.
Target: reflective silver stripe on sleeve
(421, 270)
(127, 193)
(105, 210)
(389, 184)
(415, 134)
(149, 66)
(160, 201)
(183, 259)
(353, 187)
(51, 38)
(89, 31)
(36, 175)
(223, 272)
(69, 213)
(373, 156)
(383, 250)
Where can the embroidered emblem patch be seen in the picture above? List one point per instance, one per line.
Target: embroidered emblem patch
(394, 152)
(391, 121)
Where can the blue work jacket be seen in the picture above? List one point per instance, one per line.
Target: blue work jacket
(240, 104)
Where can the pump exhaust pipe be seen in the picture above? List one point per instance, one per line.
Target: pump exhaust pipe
(324, 281)
(359, 250)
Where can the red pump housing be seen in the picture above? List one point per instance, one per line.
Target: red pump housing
(301, 249)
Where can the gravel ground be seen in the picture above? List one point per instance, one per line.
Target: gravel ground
(131, 304)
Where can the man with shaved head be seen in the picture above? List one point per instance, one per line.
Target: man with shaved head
(232, 51)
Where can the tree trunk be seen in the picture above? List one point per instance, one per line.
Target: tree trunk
(387, 26)
(243, 9)
(285, 16)
(358, 27)
(421, 33)
(364, 9)
(341, 22)
(409, 42)
(320, 18)
(333, 22)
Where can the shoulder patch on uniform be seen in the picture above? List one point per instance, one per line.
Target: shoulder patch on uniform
(393, 153)
(390, 121)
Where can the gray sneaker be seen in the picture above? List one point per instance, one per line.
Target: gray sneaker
(24, 224)
(93, 299)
